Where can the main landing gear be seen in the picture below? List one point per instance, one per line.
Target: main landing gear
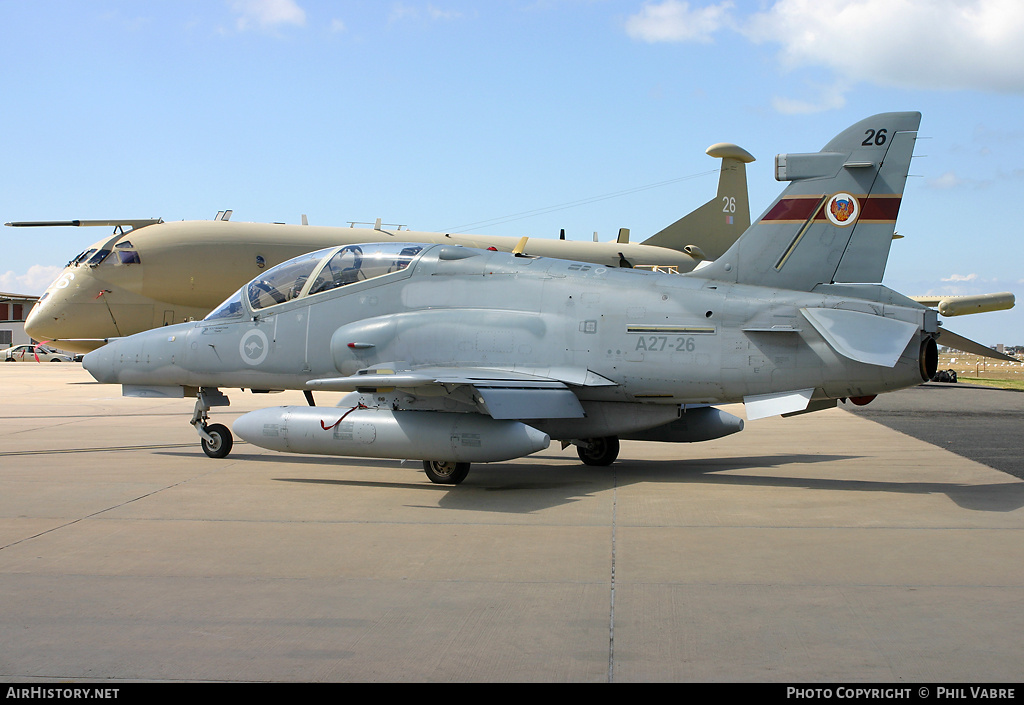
(445, 472)
(598, 451)
(592, 451)
(215, 438)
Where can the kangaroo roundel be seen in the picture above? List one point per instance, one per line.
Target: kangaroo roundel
(254, 347)
(842, 210)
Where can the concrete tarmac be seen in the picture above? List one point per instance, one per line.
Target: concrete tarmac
(982, 423)
(820, 548)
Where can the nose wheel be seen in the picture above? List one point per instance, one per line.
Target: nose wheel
(215, 438)
(220, 441)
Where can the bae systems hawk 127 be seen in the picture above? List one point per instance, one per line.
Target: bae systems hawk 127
(453, 355)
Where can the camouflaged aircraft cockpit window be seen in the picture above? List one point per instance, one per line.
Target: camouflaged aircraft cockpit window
(97, 258)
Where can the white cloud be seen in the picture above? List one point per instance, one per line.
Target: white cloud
(439, 14)
(919, 44)
(936, 44)
(267, 14)
(403, 11)
(32, 282)
(951, 179)
(960, 278)
(676, 21)
(826, 98)
(947, 180)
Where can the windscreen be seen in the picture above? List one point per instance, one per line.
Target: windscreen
(231, 308)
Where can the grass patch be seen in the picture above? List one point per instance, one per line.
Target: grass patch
(1013, 384)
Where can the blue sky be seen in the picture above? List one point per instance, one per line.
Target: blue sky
(448, 113)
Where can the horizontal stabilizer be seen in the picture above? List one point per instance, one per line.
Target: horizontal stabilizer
(863, 337)
(817, 405)
(958, 342)
(761, 406)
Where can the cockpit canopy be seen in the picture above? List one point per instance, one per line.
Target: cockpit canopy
(317, 272)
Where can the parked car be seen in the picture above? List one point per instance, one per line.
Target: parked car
(32, 353)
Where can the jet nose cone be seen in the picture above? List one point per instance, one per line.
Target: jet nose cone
(100, 363)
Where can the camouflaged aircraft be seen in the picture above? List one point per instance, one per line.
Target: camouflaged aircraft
(454, 355)
(149, 273)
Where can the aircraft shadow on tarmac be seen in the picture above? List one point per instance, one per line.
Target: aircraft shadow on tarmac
(522, 489)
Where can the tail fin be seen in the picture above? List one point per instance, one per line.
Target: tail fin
(714, 226)
(836, 219)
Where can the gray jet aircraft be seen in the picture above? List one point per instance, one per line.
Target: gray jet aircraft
(454, 355)
(149, 273)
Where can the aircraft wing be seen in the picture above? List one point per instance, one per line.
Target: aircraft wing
(134, 223)
(499, 393)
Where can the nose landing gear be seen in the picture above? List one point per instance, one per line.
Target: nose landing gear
(215, 438)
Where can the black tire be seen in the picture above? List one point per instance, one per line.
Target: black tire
(602, 451)
(222, 441)
(445, 472)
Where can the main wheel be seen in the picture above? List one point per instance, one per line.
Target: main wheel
(602, 451)
(222, 441)
(445, 472)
